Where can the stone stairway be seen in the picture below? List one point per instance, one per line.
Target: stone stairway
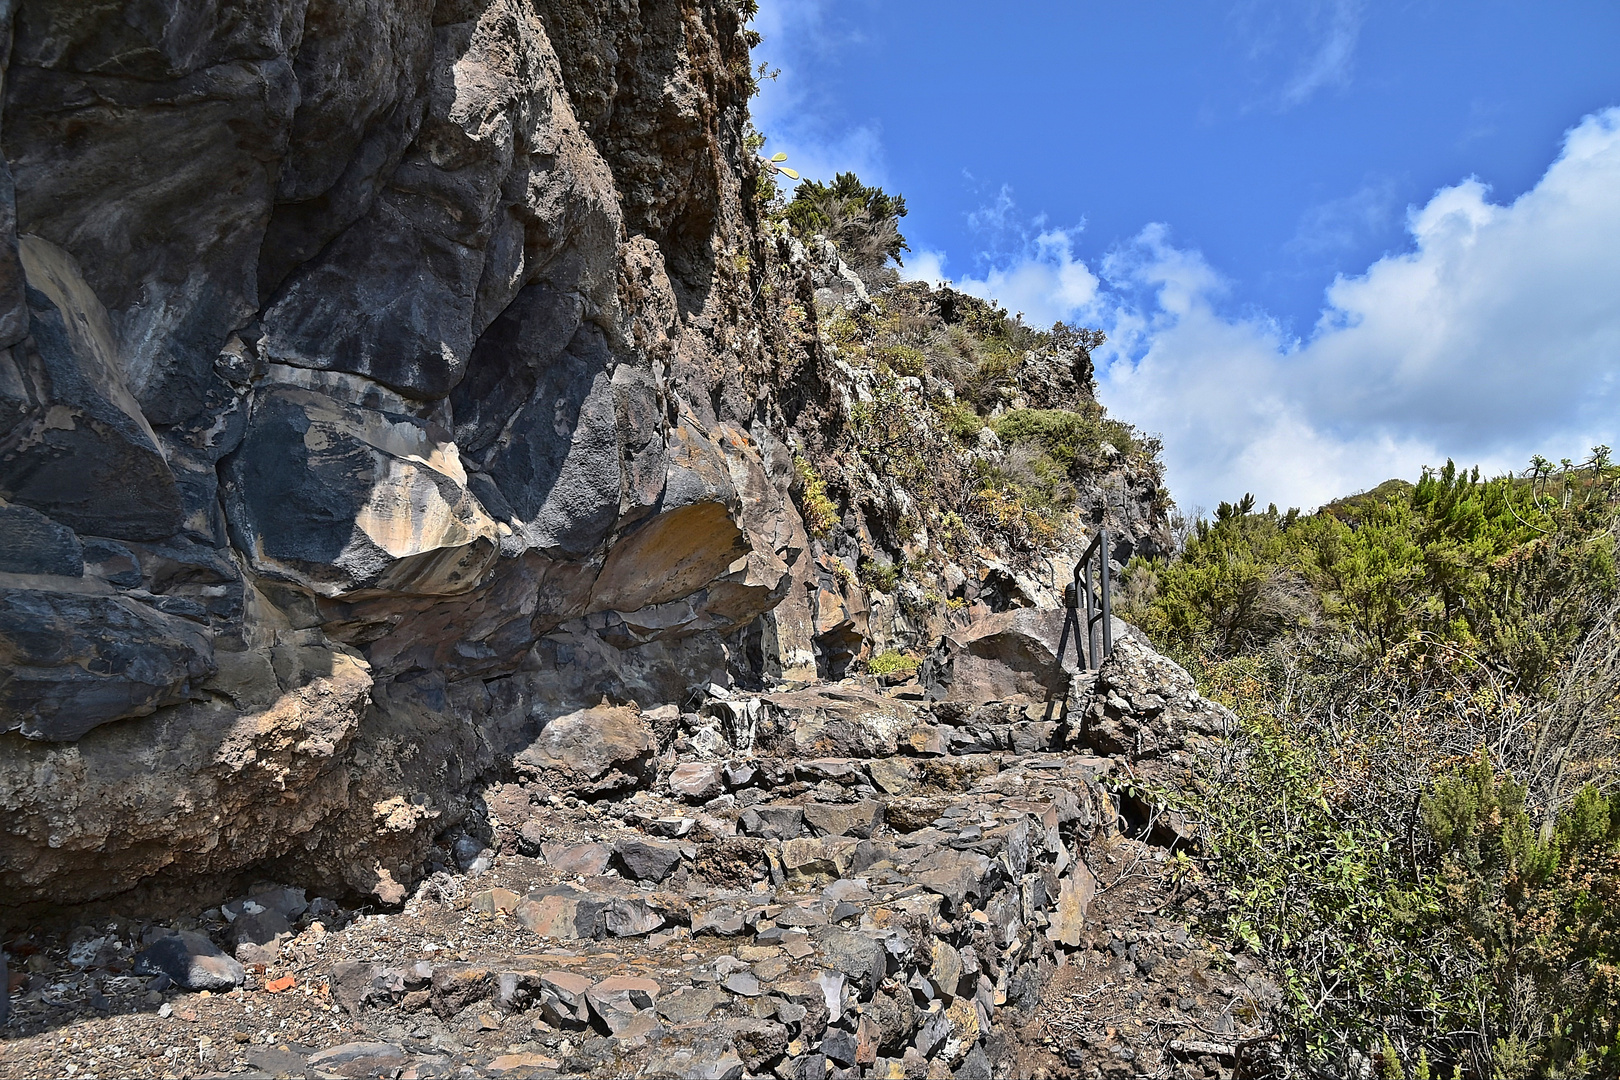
(861, 889)
(841, 880)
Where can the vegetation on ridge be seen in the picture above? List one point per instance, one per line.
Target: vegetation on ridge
(967, 433)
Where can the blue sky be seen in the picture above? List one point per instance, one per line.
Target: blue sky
(1332, 241)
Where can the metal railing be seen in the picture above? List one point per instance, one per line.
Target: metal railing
(1097, 603)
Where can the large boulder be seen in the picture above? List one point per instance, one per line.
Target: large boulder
(78, 655)
(192, 961)
(844, 721)
(344, 499)
(1146, 705)
(76, 445)
(1010, 655)
(593, 750)
(373, 399)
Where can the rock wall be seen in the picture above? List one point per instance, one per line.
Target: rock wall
(379, 379)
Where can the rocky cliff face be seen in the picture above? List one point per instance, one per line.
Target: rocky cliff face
(380, 380)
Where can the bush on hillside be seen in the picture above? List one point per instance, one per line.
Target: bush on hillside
(1414, 824)
(864, 222)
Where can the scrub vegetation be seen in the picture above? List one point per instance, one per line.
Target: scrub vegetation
(1416, 827)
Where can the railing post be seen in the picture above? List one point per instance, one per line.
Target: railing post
(1107, 604)
(1091, 619)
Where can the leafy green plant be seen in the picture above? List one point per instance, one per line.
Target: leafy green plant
(879, 574)
(820, 513)
(1064, 435)
(887, 663)
(862, 221)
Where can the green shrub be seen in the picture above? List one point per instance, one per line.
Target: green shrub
(862, 221)
(819, 512)
(1064, 435)
(887, 663)
(1412, 909)
(879, 574)
(903, 360)
(961, 422)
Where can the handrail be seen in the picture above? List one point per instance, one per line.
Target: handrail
(1099, 607)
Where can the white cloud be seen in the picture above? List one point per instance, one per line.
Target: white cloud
(1046, 284)
(1497, 335)
(1225, 393)
(794, 112)
(1329, 65)
(925, 265)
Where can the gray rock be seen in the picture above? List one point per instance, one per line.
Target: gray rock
(596, 750)
(959, 876)
(858, 819)
(418, 315)
(698, 781)
(931, 1035)
(356, 984)
(842, 770)
(803, 916)
(80, 656)
(1007, 655)
(341, 498)
(359, 1059)
(772, 822)
(847, 890)
(839, 1045)
(1146, 705)
(587, 859)
(975, 1066)
(631, 917)
(743, 984)
(191, 960)
(563, 911)
(805, 1067)
(79, 449)
(720, 921)
(264, 927)
(690, 1005)
(646, 860)
(704, 1059)
(758, 1040)
(559, 468)
(563, 998)
(620, 1001)
(864, 960)
(31, 543)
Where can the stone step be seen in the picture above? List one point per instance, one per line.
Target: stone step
(894, 971)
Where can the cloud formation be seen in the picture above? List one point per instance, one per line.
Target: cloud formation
(1494, 336)
(1338, 27)
(793, 111)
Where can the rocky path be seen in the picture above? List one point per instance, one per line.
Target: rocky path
(838, 881)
